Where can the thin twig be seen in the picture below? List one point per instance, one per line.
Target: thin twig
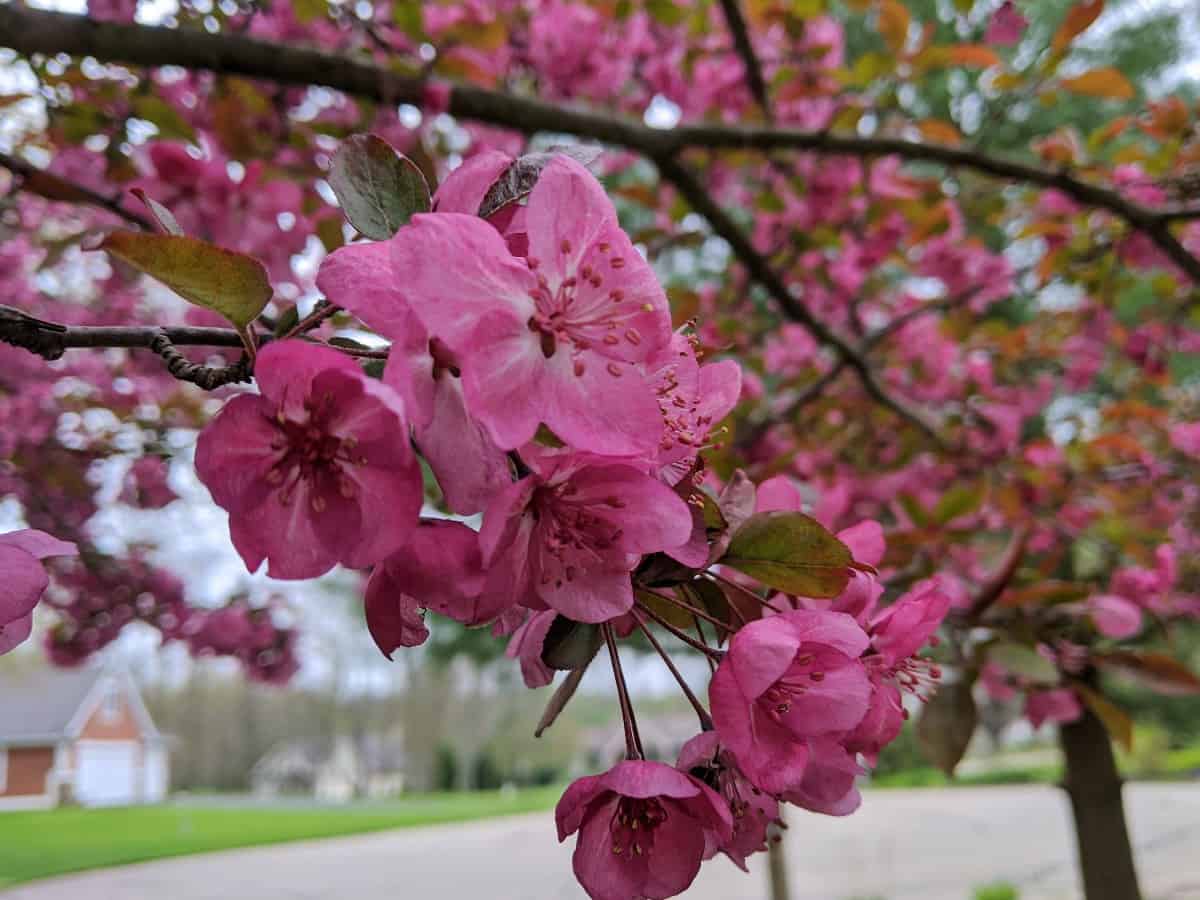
(683, 636)
(749, 593)
(706, 722)
(633, 741)
(30, 31)
(738, 28)
(55, 187)
(675, 601)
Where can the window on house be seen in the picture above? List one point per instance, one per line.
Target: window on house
(3, 769)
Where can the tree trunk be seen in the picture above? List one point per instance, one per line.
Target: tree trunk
(1092, 783)
(777, 873)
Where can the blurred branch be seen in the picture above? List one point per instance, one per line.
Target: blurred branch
(745, 49)
(760, 270)
(54, 187)
(36, 31)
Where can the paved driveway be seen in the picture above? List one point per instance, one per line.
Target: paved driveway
(902, 845)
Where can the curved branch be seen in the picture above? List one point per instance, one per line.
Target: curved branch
(35, 31)
(745, 48)
(760, 270)
(55, 187)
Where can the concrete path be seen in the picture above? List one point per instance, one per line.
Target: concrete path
(902, 845)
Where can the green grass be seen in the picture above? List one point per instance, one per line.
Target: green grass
(54, 842)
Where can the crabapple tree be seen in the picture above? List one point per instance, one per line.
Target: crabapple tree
(713, 327)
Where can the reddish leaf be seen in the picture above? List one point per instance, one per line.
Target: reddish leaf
(1163, 673)
(1107, 82)
(1078, 18)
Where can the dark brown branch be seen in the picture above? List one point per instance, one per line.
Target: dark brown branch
(740, 32)
(54, 187)
(760, 270)
(50, 340)
(35, 31)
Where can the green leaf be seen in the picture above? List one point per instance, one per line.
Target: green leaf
(379, 189)
(288, 319)
(230, 283)
(958, 501)
(790, 552)
(1022, 660)
(945, 725)
(569, 644)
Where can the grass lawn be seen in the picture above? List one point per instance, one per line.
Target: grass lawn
(53, 842)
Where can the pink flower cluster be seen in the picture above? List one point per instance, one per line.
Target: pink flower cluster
(534, 368)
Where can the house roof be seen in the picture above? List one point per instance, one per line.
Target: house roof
(43, 704)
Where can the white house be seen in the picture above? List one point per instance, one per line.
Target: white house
(77, 736)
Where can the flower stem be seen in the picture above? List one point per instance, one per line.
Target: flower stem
(743, 590)
(683, 636)
(706, 722)
(683, 604)
(633, 741)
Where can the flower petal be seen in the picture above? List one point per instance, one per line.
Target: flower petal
(38, 544)
(567, 213)
(457, 269)
(22, 583)
(360, 278)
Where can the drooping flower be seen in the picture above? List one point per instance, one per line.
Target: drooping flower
(526, 645)
(829, 782)
(644, 828)
(317, 469)
(440, 569)
(560, 337)
(786, 679)
(23, 580)
(897, 633)
(567, 535)
(752, 810)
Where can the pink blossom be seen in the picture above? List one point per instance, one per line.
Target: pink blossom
(24, 580)
(998, 683)
(753, 810)
(692, 398)
(317, 469)
(1114, 616)
(1185, 437)
(526, 645)
(828, 785)
(469, 467)
(644, 829)
(1059, 705)
(561, 337)
(905, 626)
(567, 535)
(1006, 26)
(786, 679)
(440, 569)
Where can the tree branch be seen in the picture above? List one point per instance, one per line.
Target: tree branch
(761, 271)
(50, 340)
(35, 31)
(54, 187)
(736, 23)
